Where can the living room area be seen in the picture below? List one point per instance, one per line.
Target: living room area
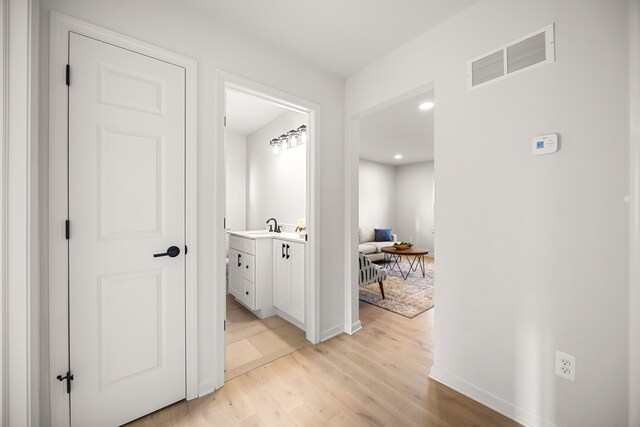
(396, 207)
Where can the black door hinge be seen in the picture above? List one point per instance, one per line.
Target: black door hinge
(68, 75)
(225, 324)
(67, 229)
(225, 121)
(69, 378)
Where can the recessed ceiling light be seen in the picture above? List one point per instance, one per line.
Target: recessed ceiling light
(397, 156)
(426, 105)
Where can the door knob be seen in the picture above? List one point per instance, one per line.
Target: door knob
(172, 251)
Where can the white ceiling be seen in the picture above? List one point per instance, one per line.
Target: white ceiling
(246, 113)
(399, 129)
(340, 36)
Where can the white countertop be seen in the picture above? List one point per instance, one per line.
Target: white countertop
(263, 234)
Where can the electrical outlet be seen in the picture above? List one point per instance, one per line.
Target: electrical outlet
(565, 366)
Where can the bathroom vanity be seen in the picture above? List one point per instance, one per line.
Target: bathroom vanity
(267, 273)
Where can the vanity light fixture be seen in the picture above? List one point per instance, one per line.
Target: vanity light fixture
(302, 130)
(291, 139)
(275, 148)
(284, 143)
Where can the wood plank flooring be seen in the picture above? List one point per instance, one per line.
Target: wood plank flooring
(252, 342)
(377, 377)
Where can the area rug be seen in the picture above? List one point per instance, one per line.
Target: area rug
(408, 297)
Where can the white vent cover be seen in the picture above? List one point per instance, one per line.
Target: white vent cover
(527, 52)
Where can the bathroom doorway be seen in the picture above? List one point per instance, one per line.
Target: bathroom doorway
(268, 295)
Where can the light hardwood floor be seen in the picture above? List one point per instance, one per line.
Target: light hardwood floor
(377, 377)
(252, 342)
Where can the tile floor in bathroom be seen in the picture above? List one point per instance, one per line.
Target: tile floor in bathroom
(252, 342)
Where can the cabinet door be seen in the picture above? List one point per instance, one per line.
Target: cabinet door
(281, 277)
(236, 282)
(297, 280)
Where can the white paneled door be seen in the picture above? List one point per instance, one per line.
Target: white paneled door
(126, 203)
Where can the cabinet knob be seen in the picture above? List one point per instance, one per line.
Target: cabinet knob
(246, 266)
(247, 292)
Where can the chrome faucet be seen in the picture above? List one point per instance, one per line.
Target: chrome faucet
(275, 227)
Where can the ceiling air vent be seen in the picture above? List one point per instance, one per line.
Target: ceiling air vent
(527, 52)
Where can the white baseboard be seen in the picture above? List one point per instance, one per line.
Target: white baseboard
(508, 409)
(353, 328)
(206, 387)
(331, 332)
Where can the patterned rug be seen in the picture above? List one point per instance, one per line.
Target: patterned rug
(406, 297)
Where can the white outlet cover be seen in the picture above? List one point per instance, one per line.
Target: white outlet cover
(565, 366)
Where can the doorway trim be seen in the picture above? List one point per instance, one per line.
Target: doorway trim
(61, 25)
(352, 322)
(226, 80)
(634, 214)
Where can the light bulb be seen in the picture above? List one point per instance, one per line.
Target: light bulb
(285, 146)
(292, 138)
(303, 134)
(275, 149)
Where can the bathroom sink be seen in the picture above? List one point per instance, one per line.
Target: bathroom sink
(258, 232)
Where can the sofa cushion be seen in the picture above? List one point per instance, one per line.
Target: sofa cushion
(380, 245)
(367, 234)
(368, 248)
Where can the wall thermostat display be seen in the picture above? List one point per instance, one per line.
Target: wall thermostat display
(545, 144)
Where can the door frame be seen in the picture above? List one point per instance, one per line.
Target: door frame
(20, 372)
(634, 213)
(352, 322)
(224, 81)
(61, 25)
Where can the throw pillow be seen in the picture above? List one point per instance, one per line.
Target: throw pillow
(383, 235)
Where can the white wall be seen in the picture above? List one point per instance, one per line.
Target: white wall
(414, 204)
(276, 184)
(174, 26)
(398, 197)
(236, 181)
(532, 251)
(377, 195)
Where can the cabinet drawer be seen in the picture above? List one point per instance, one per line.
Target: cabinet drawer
(249, 294)
(248, 269)
(242, 244)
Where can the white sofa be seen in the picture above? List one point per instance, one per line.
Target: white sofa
(373, 250)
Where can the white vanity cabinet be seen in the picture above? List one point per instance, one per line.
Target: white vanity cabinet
(250, 274)
(288, 278)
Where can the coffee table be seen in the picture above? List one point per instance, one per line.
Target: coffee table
(393, 256)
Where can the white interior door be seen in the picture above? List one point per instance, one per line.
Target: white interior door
(126, 203)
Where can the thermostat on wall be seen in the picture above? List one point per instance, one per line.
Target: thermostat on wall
(545, 144)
